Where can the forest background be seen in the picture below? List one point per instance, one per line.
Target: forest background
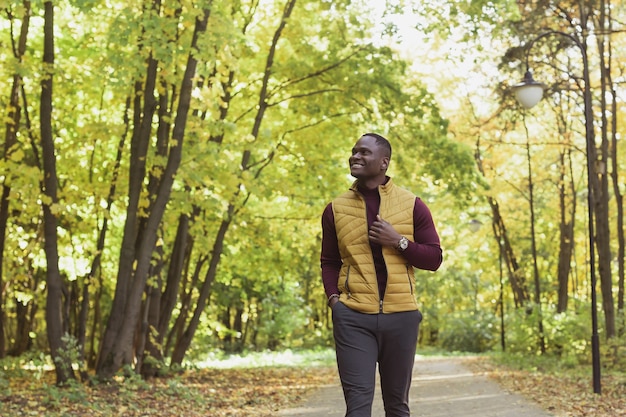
(165, 166)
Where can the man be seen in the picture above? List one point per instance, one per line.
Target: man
(373, 237)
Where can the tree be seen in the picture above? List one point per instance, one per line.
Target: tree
(117, 347)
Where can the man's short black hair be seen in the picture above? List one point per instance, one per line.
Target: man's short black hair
(381, 141)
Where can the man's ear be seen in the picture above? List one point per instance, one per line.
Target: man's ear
(385, 163)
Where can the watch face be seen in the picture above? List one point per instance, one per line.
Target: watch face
(404, 243)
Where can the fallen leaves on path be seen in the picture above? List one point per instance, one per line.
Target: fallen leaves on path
(561, 394)
(261, 392)
(255, 392)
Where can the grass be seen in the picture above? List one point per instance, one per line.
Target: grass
(308, 358)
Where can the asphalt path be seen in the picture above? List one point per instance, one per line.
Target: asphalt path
(441, 387)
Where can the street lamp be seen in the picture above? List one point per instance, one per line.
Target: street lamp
(528, 93)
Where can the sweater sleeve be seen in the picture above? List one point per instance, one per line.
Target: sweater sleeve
(425, 252)
(330, 258)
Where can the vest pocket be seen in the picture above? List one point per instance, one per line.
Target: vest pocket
(408, 277)
(348, 281)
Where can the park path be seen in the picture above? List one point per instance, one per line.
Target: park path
(441, 387)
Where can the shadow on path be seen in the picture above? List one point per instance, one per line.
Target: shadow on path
(441, 387)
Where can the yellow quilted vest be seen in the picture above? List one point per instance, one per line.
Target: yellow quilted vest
(357, 278)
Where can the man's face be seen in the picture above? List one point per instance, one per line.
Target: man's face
(368, 160)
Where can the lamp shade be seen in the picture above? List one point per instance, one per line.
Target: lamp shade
(529, 92)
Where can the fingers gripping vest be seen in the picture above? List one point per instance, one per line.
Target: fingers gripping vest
(357, 279)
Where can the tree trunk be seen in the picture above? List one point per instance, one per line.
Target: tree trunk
(533, 248)
(163, 305)
(184, 340)
(108, 363)
(619, 202)
(147, 345)
(150, 321)
(24, 316)
(237, 344)
(178, 329)
(95, 272)
(81, 331)
(54, 303)
(516, 279)
(10, 139)
(566, 235)
(96, 325)
(608, 85)
(180, 253)
(601, 194)
(224, 317)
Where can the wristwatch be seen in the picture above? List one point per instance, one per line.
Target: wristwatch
(402, 244)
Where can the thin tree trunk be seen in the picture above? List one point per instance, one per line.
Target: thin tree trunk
(81, 331)
(566, 235)
(567, 213)
(238, 343)
(601, 194)
(95, 271)
(150, 321)
(180, 257)
(184, 340)
(533, 244)
(10, 139)
(615, 176)
(516, 278)
(174, 275)
(183, 343)
(178, 329)
(24, 314)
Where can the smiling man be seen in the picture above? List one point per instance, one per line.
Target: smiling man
(372, 237)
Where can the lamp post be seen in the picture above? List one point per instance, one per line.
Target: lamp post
(528, 93)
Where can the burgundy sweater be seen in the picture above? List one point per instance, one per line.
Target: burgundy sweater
(424, 253)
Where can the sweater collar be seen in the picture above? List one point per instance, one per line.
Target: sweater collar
(383, 188)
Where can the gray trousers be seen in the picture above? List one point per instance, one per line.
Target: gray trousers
(362, 341)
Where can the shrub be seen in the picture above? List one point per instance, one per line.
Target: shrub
(473, 331)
